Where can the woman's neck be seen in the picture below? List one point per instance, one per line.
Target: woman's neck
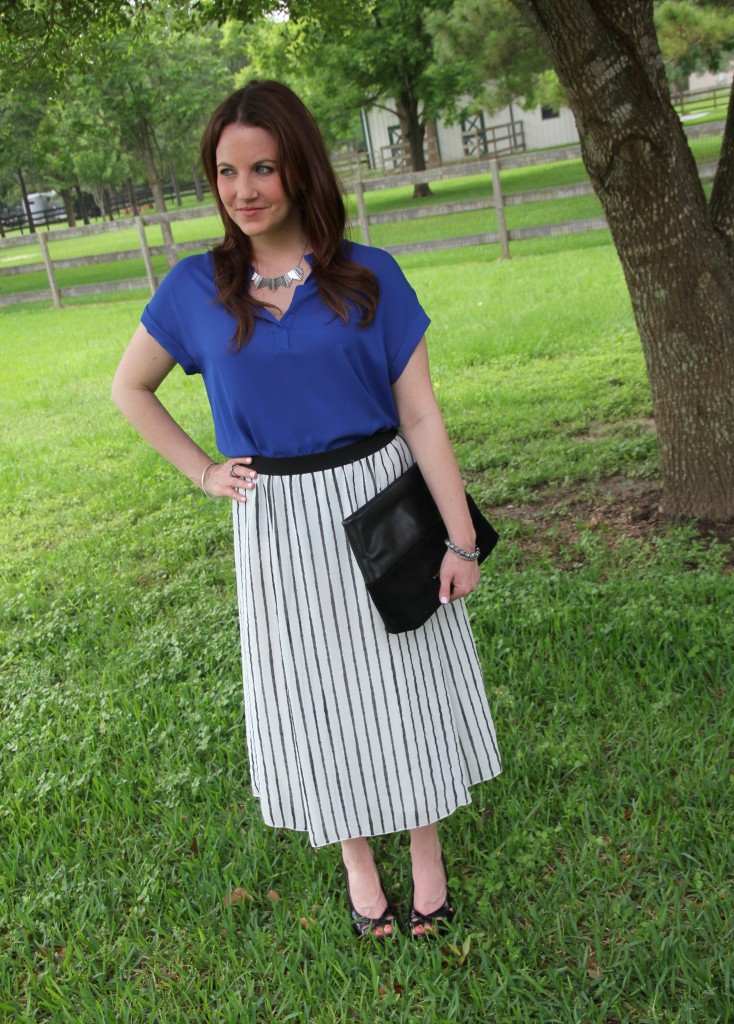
(272, 254)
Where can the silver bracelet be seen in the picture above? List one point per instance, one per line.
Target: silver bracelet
(203, 475)
(469, 556)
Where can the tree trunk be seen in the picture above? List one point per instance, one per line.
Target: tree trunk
(176, 187)
(414, 131)
(133, 198)
(197, 184)
(26, 203)
(65, 194)
(159, 200)
(676, 256)
(82, 204)
(107, 204)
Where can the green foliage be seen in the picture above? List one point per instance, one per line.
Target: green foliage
(310, 65)
(693, 36)
(153, 93)
(137, 109)
(498, 52)
(383, 54)
(21, 111)
(51, 38)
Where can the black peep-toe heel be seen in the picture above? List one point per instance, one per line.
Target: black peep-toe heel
(437, 922)
(370, 925)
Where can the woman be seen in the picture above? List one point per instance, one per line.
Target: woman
(313, 352)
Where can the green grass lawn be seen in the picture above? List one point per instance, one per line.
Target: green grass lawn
(594, 879)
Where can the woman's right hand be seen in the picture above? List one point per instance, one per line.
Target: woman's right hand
(230, 479)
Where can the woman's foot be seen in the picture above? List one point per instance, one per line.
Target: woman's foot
(431, 907)
(370, 910)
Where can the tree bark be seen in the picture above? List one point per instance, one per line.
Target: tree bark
(414, 132)
(159, 200)
(721, 204)
(197, 184)
(26, 203)
(66, 195)
(82, 204)
(107, 204)
(176, 187)
(675, 248)
(133, 198)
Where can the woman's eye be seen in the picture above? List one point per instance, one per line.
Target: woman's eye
(225, 172)
(264, 169)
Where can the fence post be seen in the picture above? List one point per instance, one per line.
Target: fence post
(152, 283)
(363, 221)
(50, 272)
(499, 209)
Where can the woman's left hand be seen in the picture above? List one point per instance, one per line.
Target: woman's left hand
(458, 577)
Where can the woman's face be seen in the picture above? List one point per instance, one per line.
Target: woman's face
(250, 185)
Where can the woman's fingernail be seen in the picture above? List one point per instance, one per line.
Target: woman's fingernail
(443, 600)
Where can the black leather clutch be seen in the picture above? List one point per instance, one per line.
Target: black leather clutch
(398, 541)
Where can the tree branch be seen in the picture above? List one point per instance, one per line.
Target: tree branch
(721, 203)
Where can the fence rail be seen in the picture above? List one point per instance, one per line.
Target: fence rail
(494, 200)
(716, 96)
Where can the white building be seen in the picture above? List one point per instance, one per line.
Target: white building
(510, 130)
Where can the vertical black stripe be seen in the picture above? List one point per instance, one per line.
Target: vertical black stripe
(420, 733)
(250, 674)
(455, 697)
(310, 640)
(332, 656)
(453, 766)
(351, 672)
(364, 627)
(263, 634)
(281, 536)
(297, 644)
(431, 701)
(466, 655)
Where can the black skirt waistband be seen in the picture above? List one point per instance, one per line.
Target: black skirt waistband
(295, 464)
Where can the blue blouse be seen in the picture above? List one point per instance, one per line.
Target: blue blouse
(305, 383)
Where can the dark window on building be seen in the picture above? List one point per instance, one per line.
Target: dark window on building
(547, 112)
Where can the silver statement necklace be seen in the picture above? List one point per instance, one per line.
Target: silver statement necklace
(283, 280)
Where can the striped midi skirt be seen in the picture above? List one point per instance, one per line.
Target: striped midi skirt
(351, 731)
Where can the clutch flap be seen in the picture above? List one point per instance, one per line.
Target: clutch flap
(389, 525)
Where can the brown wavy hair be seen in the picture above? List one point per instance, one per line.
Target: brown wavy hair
(309, 183)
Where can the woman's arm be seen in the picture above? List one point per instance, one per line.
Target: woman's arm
(422, 424)
(143, 367)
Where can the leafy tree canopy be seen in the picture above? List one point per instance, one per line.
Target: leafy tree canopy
(503, 61)
(694, 37)
(498, 52)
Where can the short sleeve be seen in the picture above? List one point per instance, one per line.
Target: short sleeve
(403, 319)
(165, 316)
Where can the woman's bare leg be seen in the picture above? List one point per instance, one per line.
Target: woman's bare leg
(429, 878)
(365, 888)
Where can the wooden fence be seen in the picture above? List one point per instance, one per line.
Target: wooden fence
(716, 96)
(146, 251)
(129, 202)
(495, 200)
